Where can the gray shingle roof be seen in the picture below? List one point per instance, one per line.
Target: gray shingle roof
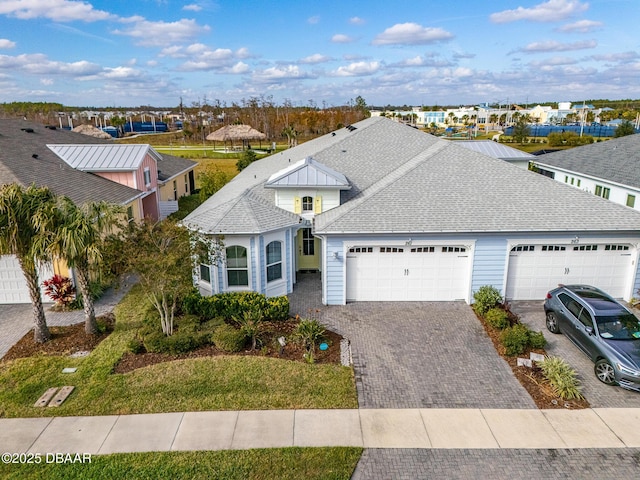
(495, 149)
(616, 160)
(404, 180)
(25, 159)
(18, 165)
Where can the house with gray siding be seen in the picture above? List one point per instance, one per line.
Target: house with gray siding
(386, 212)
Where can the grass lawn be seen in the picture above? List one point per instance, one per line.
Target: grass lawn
(206, 383)
(281, 463)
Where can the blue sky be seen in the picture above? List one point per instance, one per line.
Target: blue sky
(152, 52)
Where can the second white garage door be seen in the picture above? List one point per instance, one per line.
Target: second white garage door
(536, 269)
(412, 273)
(13, 285)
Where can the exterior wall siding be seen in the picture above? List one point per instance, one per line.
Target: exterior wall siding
(489, 264)
(123, 178)
(618, 193)
(285, 197)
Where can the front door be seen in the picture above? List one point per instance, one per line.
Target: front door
(308, 250)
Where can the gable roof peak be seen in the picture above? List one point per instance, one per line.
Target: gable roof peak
(308, 173)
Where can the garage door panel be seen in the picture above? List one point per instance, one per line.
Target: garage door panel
(413, 273)
(536, 269)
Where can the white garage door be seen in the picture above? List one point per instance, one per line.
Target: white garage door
(413, 273)
(13, 286)
(536, 269)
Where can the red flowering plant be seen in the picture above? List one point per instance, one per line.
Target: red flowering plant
(60, 289)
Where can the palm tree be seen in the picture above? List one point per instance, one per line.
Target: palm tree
(25, 220)
(77, 239)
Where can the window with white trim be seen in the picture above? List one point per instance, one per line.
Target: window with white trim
(147, 176)
(453, 249)
(631, 200)
(307, 204)
(175, 190)
(308, 242)
(524, 248)
(274, 261)
(205, 273)
(602, 191)
(237, 270)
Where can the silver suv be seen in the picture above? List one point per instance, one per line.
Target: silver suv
(601, 327)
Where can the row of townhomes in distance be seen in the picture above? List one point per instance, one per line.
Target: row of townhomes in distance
(488, 117)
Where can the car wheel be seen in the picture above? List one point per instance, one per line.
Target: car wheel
(605, 372)
(552, 322)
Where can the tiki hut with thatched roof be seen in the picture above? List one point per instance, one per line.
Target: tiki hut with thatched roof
(236, 133)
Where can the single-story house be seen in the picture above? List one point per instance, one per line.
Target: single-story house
(85, 168)
(607, 169)
(386, 212)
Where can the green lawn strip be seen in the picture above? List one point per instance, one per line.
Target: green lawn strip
(282, 463)
(215, 383)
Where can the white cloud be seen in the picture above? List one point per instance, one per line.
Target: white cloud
(411, 34)
(46, 81)
(203, 58)
(554, 61)
(553, 46)
(550, 11)
(433, 60)
(192, 8)
(6, 44)
(155, 34)
(357, 21)
(316, 58)
(313, 20)
(39, 64)
(357, 69)
(340, 38)
(581, 26)
(279, 74)
(56, 10)
(623, 57)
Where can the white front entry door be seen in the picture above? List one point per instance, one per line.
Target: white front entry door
(408, 273)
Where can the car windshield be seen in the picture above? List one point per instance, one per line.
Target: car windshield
(623, 326)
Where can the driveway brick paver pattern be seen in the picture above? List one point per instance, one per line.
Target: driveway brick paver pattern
(543, 464)
(416, 354)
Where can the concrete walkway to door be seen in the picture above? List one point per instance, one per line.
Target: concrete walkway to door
(416, 354)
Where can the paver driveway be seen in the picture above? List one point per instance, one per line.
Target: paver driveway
(597, 393)
(416, 354)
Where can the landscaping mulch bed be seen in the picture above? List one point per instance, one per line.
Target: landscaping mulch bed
(64, 340)
(72, 339)
(268, 347)
(532, 379)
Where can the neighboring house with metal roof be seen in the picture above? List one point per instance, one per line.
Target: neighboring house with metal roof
(84, 169)
(498, 150)
(608, 169)
(387, 212)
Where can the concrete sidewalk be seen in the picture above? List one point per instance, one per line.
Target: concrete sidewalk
(368, 428)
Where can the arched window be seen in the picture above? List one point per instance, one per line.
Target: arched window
(274, 261)
(237, 272)
(307, 204)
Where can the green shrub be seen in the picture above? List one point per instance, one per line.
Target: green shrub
(497, 318)
(515, 339)
(537, 340)
(232, 304)
(561, 377)
(485, 298)
(135, 345)
(229, 339)
(309, 333)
